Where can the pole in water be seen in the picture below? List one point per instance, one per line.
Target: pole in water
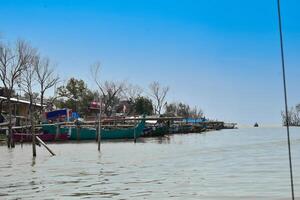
(57, 135)
(285, 99)
(43, 143)
(99, 125)
(78, 132)
(33, 139)
(97, 131)
(134, 134)
(99, 137)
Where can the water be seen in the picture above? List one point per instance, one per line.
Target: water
(248, 163)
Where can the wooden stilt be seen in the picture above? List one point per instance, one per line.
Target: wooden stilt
(78, 132)
(99, 138)
(99, 125)
(134, 134)
(12, 141)
(97, 131)
(57, 135)
(7, 139)
(42, 143)
(33, 141)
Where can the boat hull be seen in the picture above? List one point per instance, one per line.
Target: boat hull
(90, 133)
(46, 137)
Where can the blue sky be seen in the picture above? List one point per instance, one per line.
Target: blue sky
(220, 55)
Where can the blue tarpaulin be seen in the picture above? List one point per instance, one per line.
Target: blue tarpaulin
(75, 115)
(192, 120)
(56, 114)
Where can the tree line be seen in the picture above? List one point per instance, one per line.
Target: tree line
(114, 96)
(24, 67)
(293, 118)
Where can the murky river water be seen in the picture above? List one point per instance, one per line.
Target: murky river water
(247, 163)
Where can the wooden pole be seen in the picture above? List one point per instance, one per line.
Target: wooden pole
(42, 143)
(285, 99)
(96, 126)
(68, 120)
(99, 137)
(33, 141)
(22, 131)
(134, 134)
(9, 135)
(99, 125)
(57, 135)
(32, 128)
(97, 131)
(78, 132)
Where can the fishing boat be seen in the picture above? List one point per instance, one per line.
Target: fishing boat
(155, 131)
(185, 128)
(85, 133)
(124, 133)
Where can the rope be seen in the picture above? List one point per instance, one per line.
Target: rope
(285, 99)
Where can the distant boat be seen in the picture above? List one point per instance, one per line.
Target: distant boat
(256, 124)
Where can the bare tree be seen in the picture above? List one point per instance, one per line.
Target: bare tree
(45, 77)
(110, 90)
(131, 92)
(196, 113)
(13, 61)
(95, 72)
(293, 118)
(28, 80)
(158, 93)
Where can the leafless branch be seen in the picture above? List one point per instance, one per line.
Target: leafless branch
(13, 61)
(158, 94)
(46, 77)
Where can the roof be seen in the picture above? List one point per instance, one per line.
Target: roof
(20, 101)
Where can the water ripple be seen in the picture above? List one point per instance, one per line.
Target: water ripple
(229, 164)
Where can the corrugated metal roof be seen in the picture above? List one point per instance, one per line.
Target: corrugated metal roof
(20, 101)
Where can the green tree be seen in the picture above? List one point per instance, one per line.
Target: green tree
(182, 110)
(143, 105)
(111, 95)
(78, 96)
(171, 110)
(293, 118)
(298, 107)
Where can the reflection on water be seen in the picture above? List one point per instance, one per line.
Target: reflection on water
(229, 164)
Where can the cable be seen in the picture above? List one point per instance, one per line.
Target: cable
(285, 100)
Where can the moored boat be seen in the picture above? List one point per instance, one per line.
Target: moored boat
(155, 131)
(85, 133)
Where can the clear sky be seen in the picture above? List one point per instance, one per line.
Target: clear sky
(222, 55)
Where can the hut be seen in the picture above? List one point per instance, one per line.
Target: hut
(20, 107)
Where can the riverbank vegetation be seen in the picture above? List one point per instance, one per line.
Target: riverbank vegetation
(293, 118)
(27, 74)
(117, 98)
